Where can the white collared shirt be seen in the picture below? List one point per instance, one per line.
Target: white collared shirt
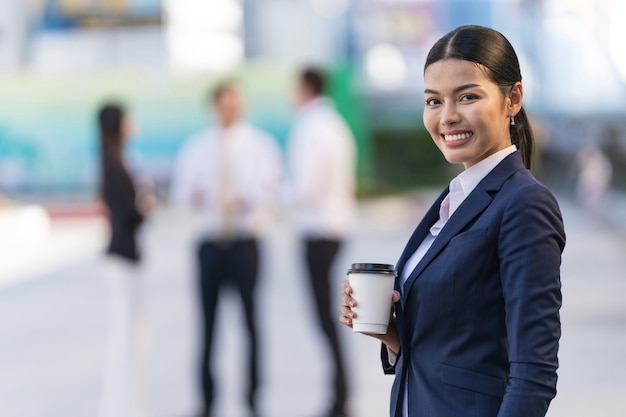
(460, 187)
(322, 168)
(254, 177)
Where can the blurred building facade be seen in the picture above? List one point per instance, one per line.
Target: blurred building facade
(60, 58)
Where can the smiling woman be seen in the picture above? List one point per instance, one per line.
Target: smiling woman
(466, 114)
(475, 328)
(490, 64)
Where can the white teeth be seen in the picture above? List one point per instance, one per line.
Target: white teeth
(457, 137)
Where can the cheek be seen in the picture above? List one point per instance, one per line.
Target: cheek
(127, 129)
(487, 116)
(431, 123)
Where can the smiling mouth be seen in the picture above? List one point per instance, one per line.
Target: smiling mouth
(457, 137)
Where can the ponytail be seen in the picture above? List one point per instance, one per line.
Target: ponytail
(522, 136)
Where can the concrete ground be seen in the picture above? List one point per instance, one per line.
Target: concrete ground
(53, 306)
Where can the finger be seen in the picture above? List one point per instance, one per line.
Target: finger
(345, 298)
(345, 285)
(348, 300)
(347, 311)
(345, 320)
(346, 316)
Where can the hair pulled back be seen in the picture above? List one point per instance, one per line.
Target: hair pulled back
(496, 56)
(110, 121)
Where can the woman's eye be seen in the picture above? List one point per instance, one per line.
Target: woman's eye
(468, 97)
(432, 101)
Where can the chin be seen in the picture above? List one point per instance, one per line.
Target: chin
(454, 159)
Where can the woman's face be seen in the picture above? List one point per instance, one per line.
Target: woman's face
(126, 128)
(466, 113)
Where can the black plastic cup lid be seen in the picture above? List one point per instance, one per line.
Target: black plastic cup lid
(372, 268)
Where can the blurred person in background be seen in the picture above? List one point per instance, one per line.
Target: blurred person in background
(229, 174)
(322, 166)
(475, 327)
(123, 392)
(594, 176)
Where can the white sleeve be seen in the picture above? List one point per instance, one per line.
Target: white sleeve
(269, 173)
(182, 182)
(392, 357)
(307, 163)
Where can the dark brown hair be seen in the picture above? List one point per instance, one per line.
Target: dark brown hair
(110, 120)
(314, 79)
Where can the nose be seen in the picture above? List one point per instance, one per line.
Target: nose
(449, 114)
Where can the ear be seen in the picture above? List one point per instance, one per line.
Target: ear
(515, 98)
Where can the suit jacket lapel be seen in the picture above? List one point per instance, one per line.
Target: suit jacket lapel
(420, 232)
(474, 204)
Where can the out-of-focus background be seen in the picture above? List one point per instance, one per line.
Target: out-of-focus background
(60, 59)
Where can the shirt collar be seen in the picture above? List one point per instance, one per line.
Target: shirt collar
(320, 101)
(231, 129)
(464, 183)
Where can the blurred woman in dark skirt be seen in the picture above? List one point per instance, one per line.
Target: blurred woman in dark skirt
(122, 394)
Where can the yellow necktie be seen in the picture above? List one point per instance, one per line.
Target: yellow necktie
(226, 198)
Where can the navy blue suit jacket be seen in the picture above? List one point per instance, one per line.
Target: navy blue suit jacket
(479, 316)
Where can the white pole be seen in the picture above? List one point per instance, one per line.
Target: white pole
(12, 34)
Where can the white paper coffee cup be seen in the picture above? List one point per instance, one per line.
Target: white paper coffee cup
(372, 287)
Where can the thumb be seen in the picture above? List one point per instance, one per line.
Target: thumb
(395, 296)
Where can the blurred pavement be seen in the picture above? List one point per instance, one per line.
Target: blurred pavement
(53, 305)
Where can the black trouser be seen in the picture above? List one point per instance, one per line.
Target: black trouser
(320, 254)
(228, 264)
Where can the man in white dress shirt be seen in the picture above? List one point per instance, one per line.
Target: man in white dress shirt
(322, 163)
(229, 175)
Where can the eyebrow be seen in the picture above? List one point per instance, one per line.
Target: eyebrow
(456, 90)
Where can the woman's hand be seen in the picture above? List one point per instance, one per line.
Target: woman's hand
(348, 302)
(146, 203)
(391, 338)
